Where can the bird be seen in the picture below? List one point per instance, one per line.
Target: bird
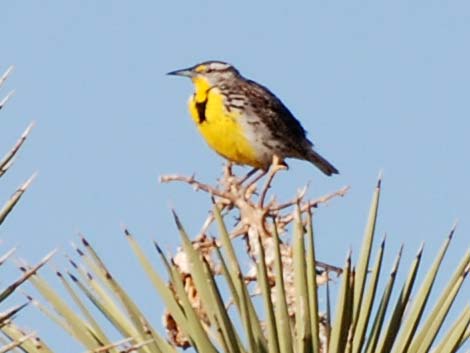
(243, 121)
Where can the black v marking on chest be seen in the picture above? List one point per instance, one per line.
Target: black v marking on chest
(201, 110)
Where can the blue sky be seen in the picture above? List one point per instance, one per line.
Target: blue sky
(378, 85)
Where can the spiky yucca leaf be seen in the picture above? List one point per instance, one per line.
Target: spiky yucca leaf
(29, 342)
(212, 306)
(13, 336)
(7, 161)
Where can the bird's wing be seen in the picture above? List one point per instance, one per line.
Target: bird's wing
(265, 103)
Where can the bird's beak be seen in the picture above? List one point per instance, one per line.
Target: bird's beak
(184, 72)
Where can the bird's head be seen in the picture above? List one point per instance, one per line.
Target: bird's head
(211, 72)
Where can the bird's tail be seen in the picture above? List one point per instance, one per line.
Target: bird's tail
(325, 166)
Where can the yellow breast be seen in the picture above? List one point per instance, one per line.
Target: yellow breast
(221, 128)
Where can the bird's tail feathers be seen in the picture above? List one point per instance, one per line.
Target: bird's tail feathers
(325, 166)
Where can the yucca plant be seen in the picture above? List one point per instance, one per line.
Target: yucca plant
(14, 336)
(259, 294)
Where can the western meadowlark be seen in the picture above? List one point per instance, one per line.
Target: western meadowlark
(243, 121)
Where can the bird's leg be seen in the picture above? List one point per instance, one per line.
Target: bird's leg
(256, 179)
(248, 176)
(248, 189)
(276, 166)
